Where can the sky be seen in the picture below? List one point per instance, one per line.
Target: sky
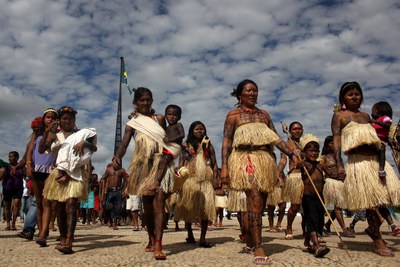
(192, 53)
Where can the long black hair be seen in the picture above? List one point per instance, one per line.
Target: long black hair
(191, 139)
(325, 149)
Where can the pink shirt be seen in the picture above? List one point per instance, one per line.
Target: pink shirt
(382, 132)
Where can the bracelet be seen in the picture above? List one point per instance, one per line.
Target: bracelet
(382, 172)
(28, 162)
(87, 142)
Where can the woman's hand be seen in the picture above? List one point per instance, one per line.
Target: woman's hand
(225, 175)
(78, 148)
(116, 162)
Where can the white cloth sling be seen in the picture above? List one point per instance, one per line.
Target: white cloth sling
(152, 129)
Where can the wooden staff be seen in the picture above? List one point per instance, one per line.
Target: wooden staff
(286, 131)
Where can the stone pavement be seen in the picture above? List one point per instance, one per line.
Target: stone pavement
(101, 246)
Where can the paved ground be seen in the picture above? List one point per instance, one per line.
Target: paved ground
(101, 246)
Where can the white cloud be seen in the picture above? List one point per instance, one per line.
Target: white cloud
(191, 53)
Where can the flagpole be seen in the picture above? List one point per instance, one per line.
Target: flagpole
(118, 126)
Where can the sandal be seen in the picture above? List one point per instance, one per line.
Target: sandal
(13, 228)
(348, 234)
(41, 242)
(248, 250)
(308, 249)
(395, 232)
(65, 249)
(322, 251)
(159, 255)
(288, 236)
(8, 228)
(384, 252)
(262, 260)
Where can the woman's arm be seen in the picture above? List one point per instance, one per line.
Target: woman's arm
(337, 145)
(129, 132)
(213, 161)
(229, 131)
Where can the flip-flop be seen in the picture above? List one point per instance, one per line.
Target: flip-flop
(41, 242)
(248, 250)
(349, 234)
(65, 249)
(308, 249)
(384, 252)
(159, 255)
(262, 260)
(395, 232)
(322, 251)
(288, 236)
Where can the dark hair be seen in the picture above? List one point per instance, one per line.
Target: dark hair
(178, 108)
(383, 108)
(190, 137)
(15, 153)
(293, 124)
(347, 86)
(325, 149)
(139, 92)
(310, 145)
(65, 109)
(42, 127)
(237, 92)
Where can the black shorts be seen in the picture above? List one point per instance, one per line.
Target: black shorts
(39, 177)
(9, 195)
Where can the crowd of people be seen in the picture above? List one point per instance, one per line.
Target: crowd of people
(169, 174)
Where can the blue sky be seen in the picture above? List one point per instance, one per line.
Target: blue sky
(192, 53)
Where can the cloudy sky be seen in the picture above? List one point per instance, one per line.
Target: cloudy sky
(192, 53)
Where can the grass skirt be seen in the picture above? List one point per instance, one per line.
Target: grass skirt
(53, 190)
(363, 188)
(197, 200)
(144, 165)
(221, 201)
(293, 188)
(263, 164)
(334, 193)
(275, 197)
(237, 201)
(249, 167)
(357, 134)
